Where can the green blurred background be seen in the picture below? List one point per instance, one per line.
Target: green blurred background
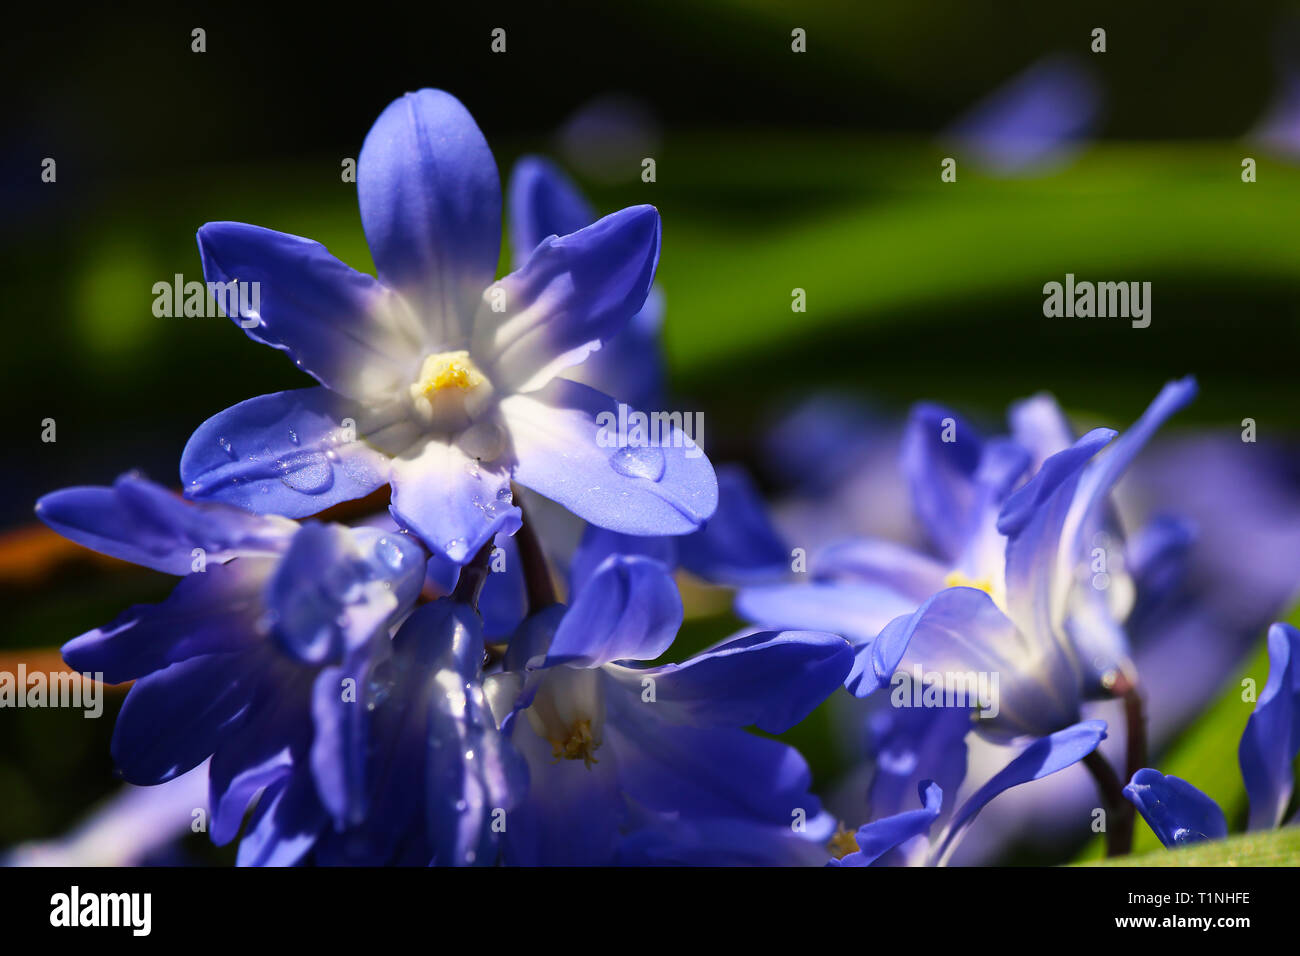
(775, 170)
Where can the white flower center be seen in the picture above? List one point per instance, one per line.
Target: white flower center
(450, 390)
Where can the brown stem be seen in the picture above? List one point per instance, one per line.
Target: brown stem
(1119, 825)
(472, 577)
(537, 573)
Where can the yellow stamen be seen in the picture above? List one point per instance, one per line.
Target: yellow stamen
(579, 745)
(448, 370)
(956, 579)
(842, 842)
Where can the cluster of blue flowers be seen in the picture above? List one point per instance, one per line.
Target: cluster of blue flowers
(408, 690)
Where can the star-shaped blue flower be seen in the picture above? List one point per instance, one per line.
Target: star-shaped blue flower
(435, 378)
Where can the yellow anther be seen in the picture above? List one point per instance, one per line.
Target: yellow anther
(956, 579)
(842, 842)
(579, 745)
(448, 370)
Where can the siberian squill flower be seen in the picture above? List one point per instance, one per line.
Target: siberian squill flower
(1179, 813)
(1004, 590)
(900, 837)
(435, 378)
(617, 747)
(244, 661)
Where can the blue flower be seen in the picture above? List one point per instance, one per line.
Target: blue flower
(1045, 756)
(1007, 588)
(1179, 813)
(242, 662)
(632, 762)
(434, 378)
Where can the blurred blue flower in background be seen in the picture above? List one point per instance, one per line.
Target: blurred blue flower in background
(1035, 122)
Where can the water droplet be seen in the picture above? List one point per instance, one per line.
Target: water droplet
(310, 474)
(504, 494)
(388, 551)
(293, 436)
(638, 461)
(456, 549)
(225, 446)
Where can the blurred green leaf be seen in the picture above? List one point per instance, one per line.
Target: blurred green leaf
(1273, 848)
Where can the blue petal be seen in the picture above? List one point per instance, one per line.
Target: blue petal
(1174, 809)
(910, 745)
(1033, 518)
(339, 744)
(940, 475)
(1041, 758)
(144, 523)
(664, 489)
(857, 612)
(1088, 507)
(771, 680)
(455, 503)
(210, 612)
(173, 719)
(337, 324)
(573, 294)
(571, 814)
(961, 631)
(287, 453)
(739, 543)
(504, 599)
(543, 202)
(631, 365)
(877, 838)
(597, 544)
(629, 610)
(337, 587)
(706, 771)
(884, 563)
(1272, 737)
(669, 839)
(284, 826)
(252, 758)
(1040, 426)
(431, 208)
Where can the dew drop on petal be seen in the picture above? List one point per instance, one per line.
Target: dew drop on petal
(638, 462)
(224, 444)
(310, 475)
(456, 549)
(388, 551)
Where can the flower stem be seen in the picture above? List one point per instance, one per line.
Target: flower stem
(1119, 823)
(472, 577)
(537, 573)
